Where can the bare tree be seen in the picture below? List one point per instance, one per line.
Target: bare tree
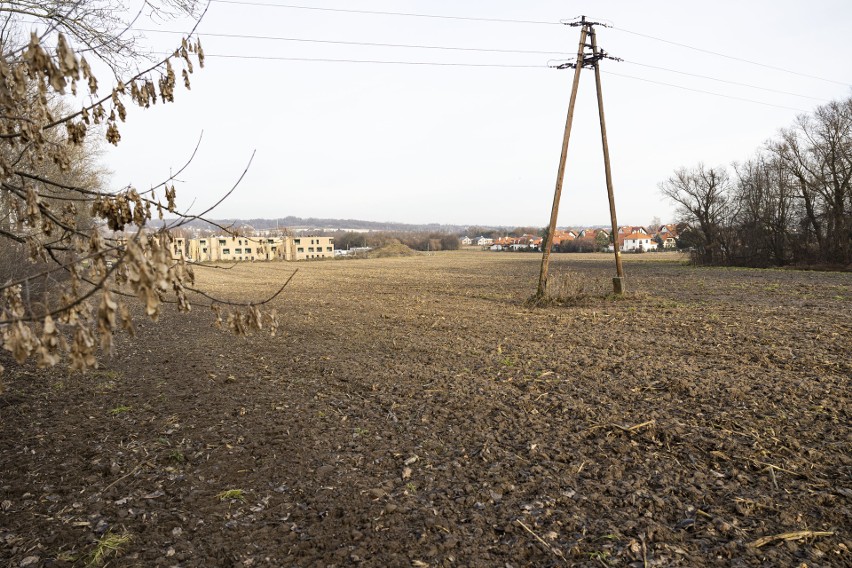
(765, 220)
(818, 153)
(655, 225)
(52, 202)
(792, 202)
(703, 198)
(100, 28)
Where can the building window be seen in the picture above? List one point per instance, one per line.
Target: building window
(222, 242)
(274, 249)
(300, 249)
(270, 241)
(297, 241)
(238, 251)
(226, 251)
(310, 249)
(204, 249)
(248, 251)
(328, 249)
(203, 241)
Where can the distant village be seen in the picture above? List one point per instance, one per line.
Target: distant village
(628, 239)
(263, 246)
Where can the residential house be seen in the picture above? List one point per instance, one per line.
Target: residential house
(637, 242)
(669, 240)
(628, 230)
(560, 237)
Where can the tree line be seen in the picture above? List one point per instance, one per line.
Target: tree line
(424, 241)
(789, 204)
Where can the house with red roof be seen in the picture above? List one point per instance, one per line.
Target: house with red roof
(637, 242)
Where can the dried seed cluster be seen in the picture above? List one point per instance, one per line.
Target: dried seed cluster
(68, 228)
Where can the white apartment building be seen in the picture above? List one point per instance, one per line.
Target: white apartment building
(228, 248)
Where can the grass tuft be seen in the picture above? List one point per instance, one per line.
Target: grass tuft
(110, 544)
(570, 289)
(232, 495)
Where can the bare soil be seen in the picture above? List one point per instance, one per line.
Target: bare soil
(418, 412)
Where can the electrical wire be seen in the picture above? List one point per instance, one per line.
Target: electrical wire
(360, 43)
(702, 91)
(725, 81)
(517, 21)
(471, 49)
(734, 58)
(381, 13)
(481, 65)
(378, 61)
(502, 20)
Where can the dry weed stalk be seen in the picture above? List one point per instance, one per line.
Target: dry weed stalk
(784, 537)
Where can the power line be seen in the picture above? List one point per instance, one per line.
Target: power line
(726, 81)
(377, 61)
(481, 65)
(472, 49)
(362, 43)
(516, 21)
(740, 59)
(497, 20)
(702, 91)
(381, 13)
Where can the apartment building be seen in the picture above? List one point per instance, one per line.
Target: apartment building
(304, 248)
(229, 248)
(178, 247)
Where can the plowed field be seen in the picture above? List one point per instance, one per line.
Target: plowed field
(417, 412)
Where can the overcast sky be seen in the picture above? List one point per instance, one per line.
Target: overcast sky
(475, 145)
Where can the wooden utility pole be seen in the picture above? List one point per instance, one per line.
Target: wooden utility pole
(557, 194)
(618, 281)
(583, 60)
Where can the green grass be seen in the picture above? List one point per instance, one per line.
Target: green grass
(110, 544)
(119, 410)
(109, 375)
(232, 495)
